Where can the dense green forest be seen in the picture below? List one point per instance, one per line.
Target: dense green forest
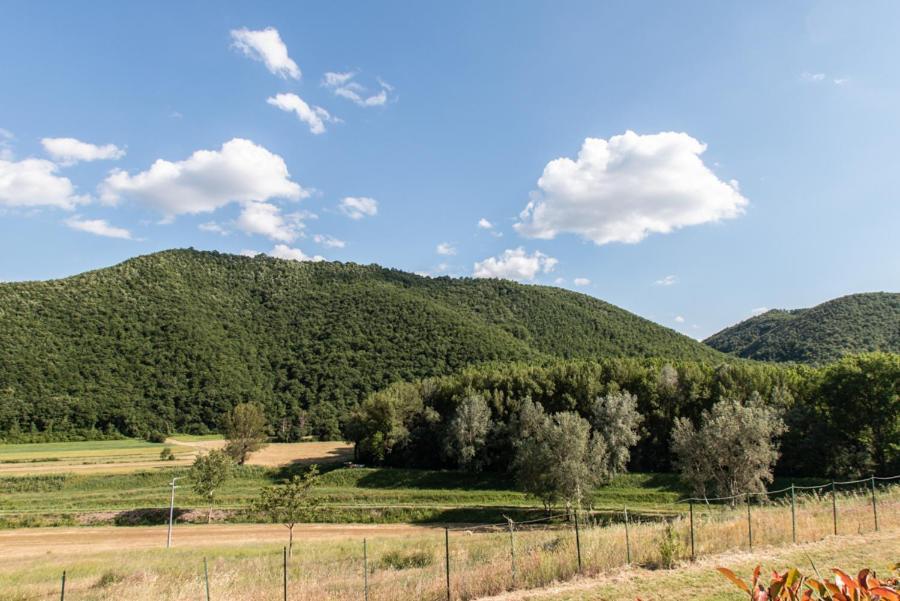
(842, 419)
(171, 341)
(857, 323)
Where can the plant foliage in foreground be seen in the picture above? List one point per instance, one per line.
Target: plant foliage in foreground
(793, 586)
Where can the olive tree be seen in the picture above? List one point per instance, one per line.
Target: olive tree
(616, 420)
(246, 431)
(733, 451)
(557, 456)
(468, 431)
(208, 473)
(291, 502)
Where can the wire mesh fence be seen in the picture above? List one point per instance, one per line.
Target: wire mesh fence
(470, 561)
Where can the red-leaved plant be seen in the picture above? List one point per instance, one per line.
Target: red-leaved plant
(793, 586)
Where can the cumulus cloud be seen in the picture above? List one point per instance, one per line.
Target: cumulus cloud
(357, 207)
(669, 280)
(283, 251)
(485, 224)
(328, 241)
(240, 171)
(266, 46)
(445, 248)
(679, 319)
(98, 227)
(267, 220)
(69, 151)
(343, 85)
(314, 116)
(627, 187)
(582, 282)
(34, 183)
(515, 264)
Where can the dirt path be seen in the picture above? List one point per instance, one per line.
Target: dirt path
(30, 542)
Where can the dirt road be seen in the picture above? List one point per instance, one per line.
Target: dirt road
(30, 542)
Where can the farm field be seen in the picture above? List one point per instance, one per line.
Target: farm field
(406, 562)
(130, 455)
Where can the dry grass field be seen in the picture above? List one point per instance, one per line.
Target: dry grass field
(126, 456)
(408, 562)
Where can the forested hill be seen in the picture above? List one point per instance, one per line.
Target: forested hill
(173, 339)
(851, 324)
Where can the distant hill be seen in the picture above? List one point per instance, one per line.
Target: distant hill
(176, 338)
(851, 324)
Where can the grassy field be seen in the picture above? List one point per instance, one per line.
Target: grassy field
(409, 564)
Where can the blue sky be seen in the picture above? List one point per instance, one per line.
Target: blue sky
(760, 171)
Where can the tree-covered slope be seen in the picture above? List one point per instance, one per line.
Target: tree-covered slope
(172, 340)
(851, 324)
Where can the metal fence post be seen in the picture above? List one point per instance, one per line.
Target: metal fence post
(627, 540)
(693, 555)
(577, 541)
(749, 524)
(206, 577)
(447, 558)
(366, 569)
(874, 504)
(793, 514)
(62, 594)
(834, 507)
(512, 551)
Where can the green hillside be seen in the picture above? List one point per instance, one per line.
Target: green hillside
(851, 324)
(170, 341)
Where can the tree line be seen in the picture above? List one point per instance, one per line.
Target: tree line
(842, 419)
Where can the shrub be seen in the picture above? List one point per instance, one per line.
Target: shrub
(669, 546)
(167, 455)
(109, 578)
(398, 560)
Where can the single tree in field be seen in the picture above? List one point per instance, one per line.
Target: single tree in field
(245, 431)
(208, 473)
(733, 451)
(291, 502)
(468, 432)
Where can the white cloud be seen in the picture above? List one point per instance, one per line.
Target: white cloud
(582, 282)
(34, 183)
(329, 241)
(251, 253)
(266, 46)
(679, 319)
(445, 248)
(213, 227)
(559, 281)
(267, 220)
(485, 224)
(283, 251)
(69, 151)
(240, 171)
(342, 84)
(625, 188)
(669, 280)
(314, 116)
(515, 264)
(759, 311)
(98, 227)
(6, 138)
(808, 77)
(357, 207)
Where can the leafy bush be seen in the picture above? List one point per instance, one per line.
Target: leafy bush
(167, 455)
(398, 560)
(669, 547)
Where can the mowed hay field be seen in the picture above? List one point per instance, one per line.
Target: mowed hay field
(245, 562)
(123, 456)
